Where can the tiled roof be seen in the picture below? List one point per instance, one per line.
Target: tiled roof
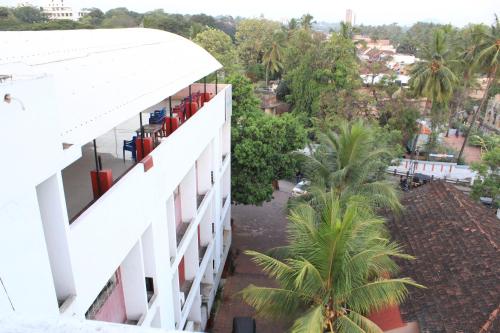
(456, 245)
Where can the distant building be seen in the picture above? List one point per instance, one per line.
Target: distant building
(492, 116)
(58, 10)
(349, 17)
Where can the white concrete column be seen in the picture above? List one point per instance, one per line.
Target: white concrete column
(52, 206)
(204, 168)
(191, 261)
(175, 299)
(206, 227)
(133, 279)
(170, 227)
(188, 195)
(24, 263)
(195, 313)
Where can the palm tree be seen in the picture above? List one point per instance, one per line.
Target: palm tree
(467, 49)
(350, 163)
(487, 60)
(433, 79)
(334, 272)
(306, 21)
(274, 55)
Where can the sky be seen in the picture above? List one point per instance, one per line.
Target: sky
(403, 12)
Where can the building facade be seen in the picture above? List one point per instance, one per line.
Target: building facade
(91, 228)
(58, 10)
(492, 117)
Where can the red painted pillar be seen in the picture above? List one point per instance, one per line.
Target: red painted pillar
(191, 108)
(104, 184)
(388, 318)
(207, 97)
(148, 147)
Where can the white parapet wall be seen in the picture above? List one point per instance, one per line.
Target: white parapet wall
(439, 170)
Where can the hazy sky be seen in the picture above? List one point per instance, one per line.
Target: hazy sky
(457, 12)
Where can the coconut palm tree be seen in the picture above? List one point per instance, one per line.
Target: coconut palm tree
(273, 57)
(432, 78)
(335, 271)
(351, 163)
(467, 50)
(487, 60)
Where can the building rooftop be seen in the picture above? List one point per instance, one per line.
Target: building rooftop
(455, 242)
(101, 77)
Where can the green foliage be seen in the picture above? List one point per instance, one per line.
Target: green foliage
(29, 14)
(220, 45)
(260, 145)
(334, 271)
(253, 38)
(94, 17)
(174, 23)
(399, 116)
(393, 32)
(351, 162)
(489, 171)
(273, 56)
(313, 65)
(121, 18)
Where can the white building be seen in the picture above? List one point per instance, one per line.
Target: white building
(58, 10)
(148, 250)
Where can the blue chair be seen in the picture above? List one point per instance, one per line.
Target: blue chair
(157, 116)
(130, 146)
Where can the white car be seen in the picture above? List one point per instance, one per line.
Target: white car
(301, 188)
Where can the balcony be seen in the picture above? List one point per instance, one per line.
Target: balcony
(109, 154)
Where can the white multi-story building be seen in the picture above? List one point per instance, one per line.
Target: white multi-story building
(146, 244)
(58, 10)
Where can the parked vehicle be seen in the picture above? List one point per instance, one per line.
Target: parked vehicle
(301, 188)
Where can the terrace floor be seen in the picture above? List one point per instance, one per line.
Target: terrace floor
(256, 228)
(77, 182)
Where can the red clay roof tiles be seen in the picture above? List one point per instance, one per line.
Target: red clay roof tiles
(455, 242)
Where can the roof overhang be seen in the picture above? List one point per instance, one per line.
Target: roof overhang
(101, 78)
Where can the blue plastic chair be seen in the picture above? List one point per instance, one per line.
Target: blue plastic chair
(130, 146)
(157, 116)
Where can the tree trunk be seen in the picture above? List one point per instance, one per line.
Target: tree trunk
(267, 75)
(457, 109)
(491, 77)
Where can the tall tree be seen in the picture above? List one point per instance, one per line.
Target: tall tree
(220, 45)
(273, 56)
(487, 60)
(253, 38)
(467, 49)
(260, 146)
(334, 271)
(306, 21)
(434, 79)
